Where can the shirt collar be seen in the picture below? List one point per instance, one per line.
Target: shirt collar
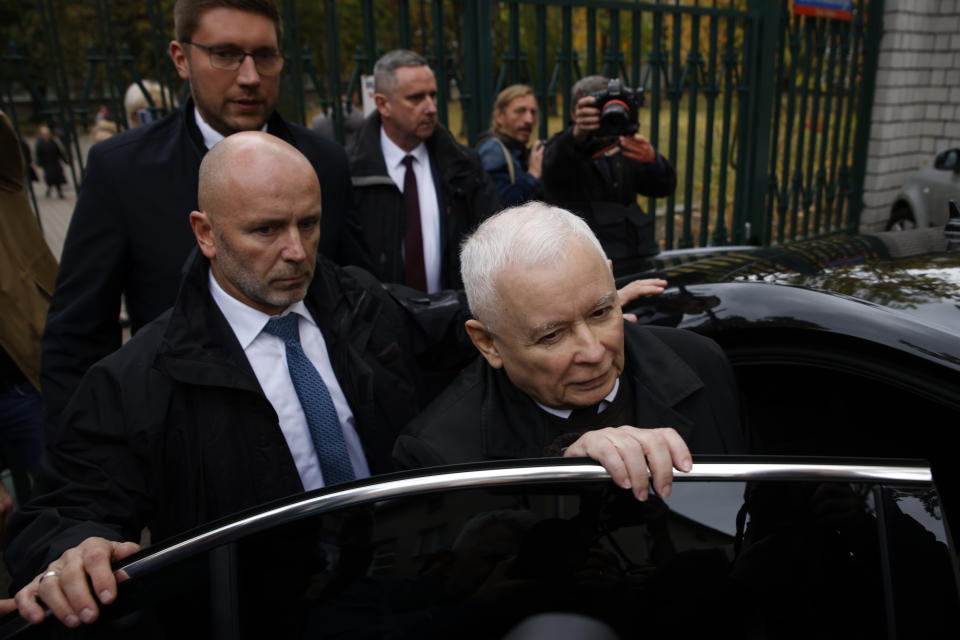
(393, 155)
(210, 135)
(565, 413)
(247, 323)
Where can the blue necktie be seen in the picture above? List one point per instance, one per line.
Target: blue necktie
(316, 403)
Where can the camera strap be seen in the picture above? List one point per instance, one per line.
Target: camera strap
(610, 150)
(509, 159)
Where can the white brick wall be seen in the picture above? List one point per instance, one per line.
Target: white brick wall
(916, 110)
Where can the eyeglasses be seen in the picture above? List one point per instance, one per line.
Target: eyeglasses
(268, 62)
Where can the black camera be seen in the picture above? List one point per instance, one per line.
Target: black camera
(618, 109)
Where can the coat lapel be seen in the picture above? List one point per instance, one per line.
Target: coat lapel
(661, 382)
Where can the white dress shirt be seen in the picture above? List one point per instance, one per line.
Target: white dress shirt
(427, 194)
(210, 135)
(267, 354)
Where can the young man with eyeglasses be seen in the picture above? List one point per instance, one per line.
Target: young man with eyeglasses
(130, 233)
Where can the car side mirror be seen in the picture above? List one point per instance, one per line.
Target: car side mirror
(948, 160)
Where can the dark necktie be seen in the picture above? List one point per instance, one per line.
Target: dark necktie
(416, 273)
(316, 402)
(584, 413)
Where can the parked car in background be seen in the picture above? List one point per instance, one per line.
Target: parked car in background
(922, 202)
(758, 548)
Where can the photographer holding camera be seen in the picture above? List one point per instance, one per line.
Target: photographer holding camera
(598, 166)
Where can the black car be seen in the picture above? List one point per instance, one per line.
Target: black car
(758, 548)
(764, 547)
(825, 373)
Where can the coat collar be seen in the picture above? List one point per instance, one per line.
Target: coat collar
(511, 422)
(662, 380)
(366, 157)
(276, 126)
(199, 347)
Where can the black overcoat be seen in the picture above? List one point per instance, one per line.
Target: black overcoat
(173, 430)
(680, 380)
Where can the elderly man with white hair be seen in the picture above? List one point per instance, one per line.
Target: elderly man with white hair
(561, 370)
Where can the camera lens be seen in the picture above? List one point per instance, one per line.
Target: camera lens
(615, 116)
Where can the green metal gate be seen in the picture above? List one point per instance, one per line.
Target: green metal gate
(765, 115)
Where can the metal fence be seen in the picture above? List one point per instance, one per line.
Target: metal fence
(763, 113)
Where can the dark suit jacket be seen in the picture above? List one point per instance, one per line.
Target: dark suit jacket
(130, 234)
(465, 195)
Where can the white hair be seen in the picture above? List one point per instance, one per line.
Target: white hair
(135, 99)
(531, 234)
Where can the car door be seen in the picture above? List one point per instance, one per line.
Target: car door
(760, 549)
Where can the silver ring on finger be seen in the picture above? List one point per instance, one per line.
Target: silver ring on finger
(49, 574)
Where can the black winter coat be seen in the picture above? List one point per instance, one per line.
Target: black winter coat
(571, 173)
(130, 234)
(602, 189)
(466, 197)
(680, 380)
(49, 156)
(173, 431)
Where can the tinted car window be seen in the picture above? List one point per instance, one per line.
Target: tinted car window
(947, 159)
(759, 559)
(924, 587)
(861, 407)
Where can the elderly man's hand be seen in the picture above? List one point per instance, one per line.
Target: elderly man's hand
(638, 148)
(632, 455)
(65, 587)
(7, 605)
(586, 118)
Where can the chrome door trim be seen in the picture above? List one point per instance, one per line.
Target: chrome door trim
(442, 478)
(807, 471)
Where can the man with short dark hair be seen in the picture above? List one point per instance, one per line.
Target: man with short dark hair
(561, 370)
(129, 234)
(418, 191)
(514, 168)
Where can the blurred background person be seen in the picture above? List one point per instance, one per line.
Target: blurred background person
(137, 107)
(104, 124)
(322, 123)
(514, 168)
(50, 152)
